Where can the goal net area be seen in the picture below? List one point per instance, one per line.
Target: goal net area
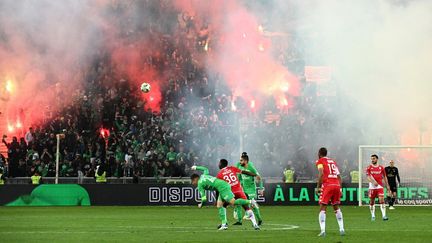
(415, 170)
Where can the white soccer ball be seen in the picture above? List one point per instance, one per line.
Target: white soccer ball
(145, 87)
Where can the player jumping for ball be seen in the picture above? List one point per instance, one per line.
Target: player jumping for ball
(329, 190)
(210, 183)
(229, 174)
(375, 175)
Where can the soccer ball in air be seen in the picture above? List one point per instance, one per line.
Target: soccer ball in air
(145, 87)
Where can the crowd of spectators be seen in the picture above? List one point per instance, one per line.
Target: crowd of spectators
(108, 122)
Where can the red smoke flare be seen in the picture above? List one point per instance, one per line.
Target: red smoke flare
(240, 51)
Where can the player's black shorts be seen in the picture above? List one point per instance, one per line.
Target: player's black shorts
(393, 187)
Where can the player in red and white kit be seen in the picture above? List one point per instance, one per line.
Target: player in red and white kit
(376, 174)
(229, 174)
(329, 190)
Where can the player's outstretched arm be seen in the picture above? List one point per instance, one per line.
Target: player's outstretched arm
(204, 169)
(258, 179)
(248, 173)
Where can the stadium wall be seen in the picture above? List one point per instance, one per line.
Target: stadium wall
(177, 194)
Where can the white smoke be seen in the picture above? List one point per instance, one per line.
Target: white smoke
(380, 52)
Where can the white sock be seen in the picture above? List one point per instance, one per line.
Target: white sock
(254, 203)
(383, 209)
(322, 219)
(372, 209)
(251, 216)
(339, 219)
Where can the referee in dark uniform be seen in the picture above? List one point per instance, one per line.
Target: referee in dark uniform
(392, 174)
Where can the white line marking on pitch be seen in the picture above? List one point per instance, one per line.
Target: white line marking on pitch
(281, 227)
(264, 228)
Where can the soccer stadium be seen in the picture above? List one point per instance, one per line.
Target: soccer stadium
(215, 121)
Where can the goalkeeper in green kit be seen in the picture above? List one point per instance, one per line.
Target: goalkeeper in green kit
(210, 183)
(249, 187)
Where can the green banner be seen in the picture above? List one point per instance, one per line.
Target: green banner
(54, 195)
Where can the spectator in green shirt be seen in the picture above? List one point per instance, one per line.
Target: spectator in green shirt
(32, 155)
(171, 155)
(43, 169)
(64, 169)
(181, 156)
(161, 148)
(119, 155)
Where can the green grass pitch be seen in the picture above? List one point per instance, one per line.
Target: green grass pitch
(190, 224)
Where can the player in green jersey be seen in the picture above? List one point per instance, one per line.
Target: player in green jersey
(249, 187)
(210, 183)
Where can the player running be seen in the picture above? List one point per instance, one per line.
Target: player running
(210, 183)
(375, 175)
(249, 187)
(229, 174)
(329, 190)
(392, 174)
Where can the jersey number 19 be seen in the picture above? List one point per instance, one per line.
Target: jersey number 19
(333, 170)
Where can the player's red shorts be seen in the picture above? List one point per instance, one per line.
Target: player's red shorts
(374, 193)
(239, 194)
(330, 194)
